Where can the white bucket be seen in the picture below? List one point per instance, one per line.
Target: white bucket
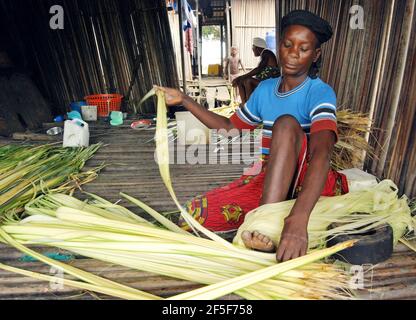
(89, 113)
(358, 180)
(76, 133)
(190, 130)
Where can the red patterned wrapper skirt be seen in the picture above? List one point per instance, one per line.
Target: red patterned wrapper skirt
(223, 209)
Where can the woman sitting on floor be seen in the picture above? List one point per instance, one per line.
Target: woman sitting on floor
(298, 114)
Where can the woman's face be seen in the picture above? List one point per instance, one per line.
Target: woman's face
(297, 50)
(256, 50)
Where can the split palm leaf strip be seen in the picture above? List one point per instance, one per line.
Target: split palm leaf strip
(125, 294)
(219, 289)
(26, 171)
(109, 232)
(90, 282)
(377, 206)
(101, 230)
(352, 213)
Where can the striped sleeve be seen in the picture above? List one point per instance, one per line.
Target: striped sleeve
(322, 110)
(247, 116)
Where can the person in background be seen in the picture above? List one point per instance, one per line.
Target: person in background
(232, 64)
(266, 69)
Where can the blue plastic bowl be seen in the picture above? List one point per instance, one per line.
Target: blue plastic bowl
(74, 115)
(76, 106)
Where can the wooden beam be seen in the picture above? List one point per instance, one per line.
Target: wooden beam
(252, 26)
(228, 19)
(198, 36)
(380, 68)
(182, 45)
(221, 42)
(276, 25)
(397, 82)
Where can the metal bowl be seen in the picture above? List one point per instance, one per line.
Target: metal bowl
(54, 131)
(141, 124)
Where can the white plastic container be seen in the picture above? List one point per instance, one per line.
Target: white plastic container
(76, 133)
(190, 130)
(358, 180)
(89, 113)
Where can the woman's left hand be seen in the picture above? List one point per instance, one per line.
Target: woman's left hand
(173, 97)
(236, 81)
(294, 239)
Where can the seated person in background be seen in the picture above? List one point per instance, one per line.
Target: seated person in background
(267, 68)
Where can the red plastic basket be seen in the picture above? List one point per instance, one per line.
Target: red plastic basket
(105, 103)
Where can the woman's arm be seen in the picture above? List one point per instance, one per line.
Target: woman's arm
(266, 60)
(242, 66)
(212, 120)
(256, 70)
(294, 239)
(226, 70)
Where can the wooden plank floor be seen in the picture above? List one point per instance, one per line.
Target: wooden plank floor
(131, 169)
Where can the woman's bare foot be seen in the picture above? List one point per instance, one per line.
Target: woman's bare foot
(257, 241)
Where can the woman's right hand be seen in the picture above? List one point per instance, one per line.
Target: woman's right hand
(236, 81)
(173, 97)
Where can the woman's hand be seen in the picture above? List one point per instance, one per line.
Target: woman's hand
(237, 81)
(173, 97)
(294, 239)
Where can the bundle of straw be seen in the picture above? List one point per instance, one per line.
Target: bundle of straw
(352, 128)
(355, 212)
(111, 233)
(101, 230)
(26, 171)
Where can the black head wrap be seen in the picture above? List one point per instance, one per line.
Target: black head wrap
(319, 26)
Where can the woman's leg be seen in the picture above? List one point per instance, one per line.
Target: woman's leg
(223, 209)
(236, 93)
(287, 139)
(286, 144)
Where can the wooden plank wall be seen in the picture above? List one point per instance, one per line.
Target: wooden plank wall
(362, 66)
(103, 43)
